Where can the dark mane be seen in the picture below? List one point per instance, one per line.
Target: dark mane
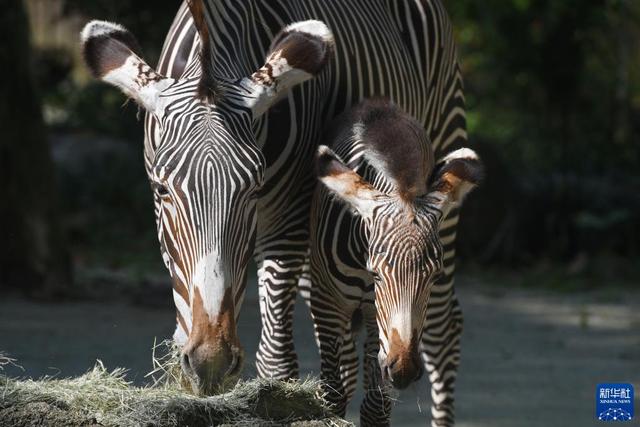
(398, 141)
(207, 87)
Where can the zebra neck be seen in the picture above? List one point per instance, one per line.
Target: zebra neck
(237, 49)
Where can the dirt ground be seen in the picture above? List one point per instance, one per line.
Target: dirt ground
(530, 357)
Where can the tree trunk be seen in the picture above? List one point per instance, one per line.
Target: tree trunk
(33, 251)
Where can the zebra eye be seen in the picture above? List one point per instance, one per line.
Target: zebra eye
(161, 190)
(376, 276)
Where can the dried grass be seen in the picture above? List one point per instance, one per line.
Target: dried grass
(107, 398)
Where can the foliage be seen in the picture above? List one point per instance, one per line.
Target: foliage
(548, 74)
(553, 91)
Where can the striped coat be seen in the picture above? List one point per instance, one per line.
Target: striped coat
(212, 104)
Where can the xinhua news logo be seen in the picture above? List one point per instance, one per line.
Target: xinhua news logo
(614, 402)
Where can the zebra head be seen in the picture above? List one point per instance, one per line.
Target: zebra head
(404, 254)
(205, 175)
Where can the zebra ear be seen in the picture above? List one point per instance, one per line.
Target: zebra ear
(111, 53)
(298, 53)
(345, 183)
(454, 177)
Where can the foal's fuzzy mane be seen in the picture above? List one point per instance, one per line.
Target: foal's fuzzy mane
(395, 144)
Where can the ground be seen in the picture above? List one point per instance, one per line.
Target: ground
(530, 357)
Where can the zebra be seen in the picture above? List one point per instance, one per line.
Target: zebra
(207, 143)
(376, 250)
(402, 49)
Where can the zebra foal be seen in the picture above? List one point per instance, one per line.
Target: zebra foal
(376, 251)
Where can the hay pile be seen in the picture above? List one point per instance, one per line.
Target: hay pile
(106, 398)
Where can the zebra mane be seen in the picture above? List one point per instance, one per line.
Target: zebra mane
(395, 145)
(208, 85)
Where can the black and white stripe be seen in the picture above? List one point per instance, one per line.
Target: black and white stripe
(400, 49)
(379, 255)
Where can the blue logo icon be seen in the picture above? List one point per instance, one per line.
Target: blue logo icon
(614, 402)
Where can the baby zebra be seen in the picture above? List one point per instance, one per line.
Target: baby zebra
(375, 257)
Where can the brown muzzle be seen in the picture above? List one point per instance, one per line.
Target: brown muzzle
(212, 357)
(402, 365)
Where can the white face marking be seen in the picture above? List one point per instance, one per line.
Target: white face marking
(402, 322)
(210, 280)
(180, 337)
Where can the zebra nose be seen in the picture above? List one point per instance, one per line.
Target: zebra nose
(402, 370)
(209, 367)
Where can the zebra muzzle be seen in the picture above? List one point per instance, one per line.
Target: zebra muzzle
(212, 368)
(401, 371)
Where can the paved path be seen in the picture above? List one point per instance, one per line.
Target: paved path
(530, 358)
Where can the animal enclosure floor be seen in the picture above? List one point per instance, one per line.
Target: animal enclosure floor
(529, 358)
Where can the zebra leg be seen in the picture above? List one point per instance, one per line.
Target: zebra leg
(376, 405)
(331, 330)
(441, 356)
(278, 274)
(333, 300)
(441, 335)
(349, 364)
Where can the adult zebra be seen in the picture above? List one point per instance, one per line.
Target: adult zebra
(401, 49)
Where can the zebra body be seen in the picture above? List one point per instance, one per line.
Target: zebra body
(376, 253)
(401, 49)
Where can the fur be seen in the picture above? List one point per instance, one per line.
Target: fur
(106, 46)
(395, 144)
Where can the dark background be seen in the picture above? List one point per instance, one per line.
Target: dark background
(553, 102)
